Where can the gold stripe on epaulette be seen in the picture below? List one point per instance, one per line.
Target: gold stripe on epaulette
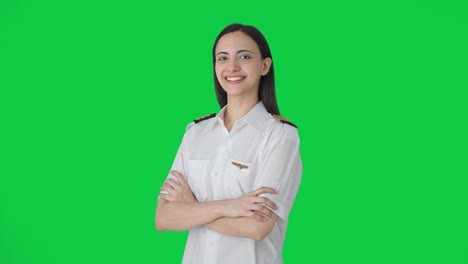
(204, 118)
(284, 120)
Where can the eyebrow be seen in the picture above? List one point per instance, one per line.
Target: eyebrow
(239, 51)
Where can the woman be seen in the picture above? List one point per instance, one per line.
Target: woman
(236, 174)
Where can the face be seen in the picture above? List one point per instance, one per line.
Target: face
(239, 65)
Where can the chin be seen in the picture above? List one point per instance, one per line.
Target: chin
(233, 90)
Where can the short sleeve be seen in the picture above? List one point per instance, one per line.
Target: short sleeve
(179, 163)
(280, 168)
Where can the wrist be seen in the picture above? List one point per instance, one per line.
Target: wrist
(217, 208)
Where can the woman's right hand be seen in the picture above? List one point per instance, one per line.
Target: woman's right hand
(251, 205)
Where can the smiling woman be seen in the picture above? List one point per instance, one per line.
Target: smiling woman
(236, 173)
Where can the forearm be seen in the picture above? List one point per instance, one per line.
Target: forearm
(178, 216)
(245, 216)
(243, 226)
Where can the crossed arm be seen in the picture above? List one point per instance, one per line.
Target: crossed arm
(245, 216)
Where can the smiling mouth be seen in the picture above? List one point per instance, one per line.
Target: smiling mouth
(234, 78)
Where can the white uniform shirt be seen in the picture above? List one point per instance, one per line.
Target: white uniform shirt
(209, 158)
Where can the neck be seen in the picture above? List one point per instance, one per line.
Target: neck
(237, 108)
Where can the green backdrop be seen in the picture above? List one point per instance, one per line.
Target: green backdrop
(95, 97)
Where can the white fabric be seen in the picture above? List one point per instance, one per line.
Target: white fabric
(270, 150)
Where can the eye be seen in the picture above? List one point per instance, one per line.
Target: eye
(244, 57)
(221, 58)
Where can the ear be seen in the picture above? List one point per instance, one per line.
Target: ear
(266, 66)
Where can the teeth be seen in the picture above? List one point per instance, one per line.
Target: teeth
(234, 78)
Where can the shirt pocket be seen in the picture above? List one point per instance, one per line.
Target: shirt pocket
(239, 178)
(196, 177)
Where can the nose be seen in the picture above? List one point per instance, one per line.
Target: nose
(233, 65)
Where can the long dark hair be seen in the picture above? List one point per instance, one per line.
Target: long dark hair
(266, 91)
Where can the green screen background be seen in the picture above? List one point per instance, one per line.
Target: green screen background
(95, 97)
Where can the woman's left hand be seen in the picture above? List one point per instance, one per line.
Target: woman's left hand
(177, 192)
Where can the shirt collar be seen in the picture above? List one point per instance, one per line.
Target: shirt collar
(256, 117)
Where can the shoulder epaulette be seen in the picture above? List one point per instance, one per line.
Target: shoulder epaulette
(284, 120)
(203, 118)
